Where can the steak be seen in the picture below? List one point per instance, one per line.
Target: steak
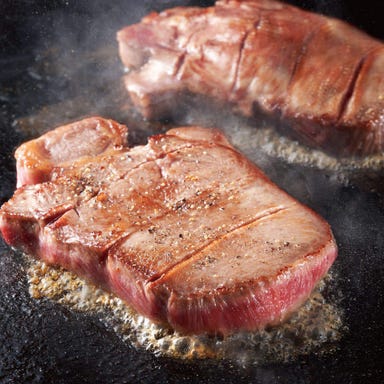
(185, 229)
(318, 78)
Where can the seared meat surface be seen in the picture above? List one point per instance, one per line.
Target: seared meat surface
(88, 137)
(185, 228)
(320, 77)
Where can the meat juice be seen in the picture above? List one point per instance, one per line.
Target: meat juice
(314, 328)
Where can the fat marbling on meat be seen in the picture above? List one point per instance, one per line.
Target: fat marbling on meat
(88, 137)
(185, 229)
(318, 77)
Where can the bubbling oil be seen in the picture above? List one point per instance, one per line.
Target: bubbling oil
(315, 327)
(266, 143)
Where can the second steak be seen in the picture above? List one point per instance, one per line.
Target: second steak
(318, 77)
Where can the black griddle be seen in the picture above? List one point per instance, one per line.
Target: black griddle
(58, 63)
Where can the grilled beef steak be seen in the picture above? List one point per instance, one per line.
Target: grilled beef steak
(321, 77)
(185, 228)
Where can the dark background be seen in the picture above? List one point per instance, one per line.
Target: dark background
(47, 59)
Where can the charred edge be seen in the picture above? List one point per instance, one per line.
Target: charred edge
(179, 64)
(239, 59)
(72, 206)
(352, 85)
(76, 211)
(303, 51)
(55, 218)
(183, 56)
(350, 89)
(264, 215)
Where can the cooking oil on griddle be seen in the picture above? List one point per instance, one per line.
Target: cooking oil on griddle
(276, 145)
(315, 327)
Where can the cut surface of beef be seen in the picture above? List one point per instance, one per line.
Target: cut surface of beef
(185, 229)
(322, 78)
